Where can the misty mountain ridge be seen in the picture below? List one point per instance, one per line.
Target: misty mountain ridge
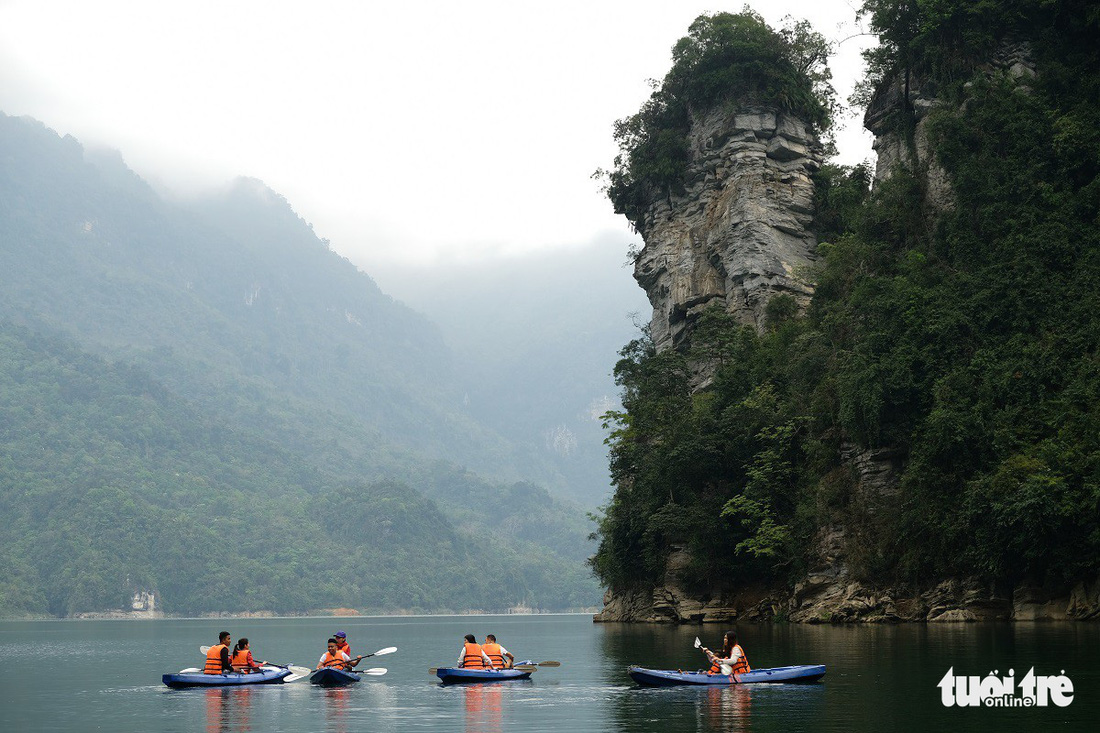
(232, 303)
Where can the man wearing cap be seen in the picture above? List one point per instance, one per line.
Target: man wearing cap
(342, 642)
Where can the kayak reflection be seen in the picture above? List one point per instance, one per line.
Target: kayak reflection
(228, 709)
(726, 708)
(484, 708)
(336, 709)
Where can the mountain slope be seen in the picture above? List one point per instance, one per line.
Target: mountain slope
(196, 398)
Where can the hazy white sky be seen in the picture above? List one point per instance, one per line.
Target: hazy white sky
(406, 133)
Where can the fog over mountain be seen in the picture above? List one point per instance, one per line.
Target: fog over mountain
(536, 337)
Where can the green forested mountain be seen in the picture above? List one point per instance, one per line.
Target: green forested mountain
(960, 337)
(206, 402)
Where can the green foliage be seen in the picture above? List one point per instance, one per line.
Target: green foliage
(964, 341)
(725, 59)
(110, 484)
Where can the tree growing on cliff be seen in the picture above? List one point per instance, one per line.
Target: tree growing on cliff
(726, 58)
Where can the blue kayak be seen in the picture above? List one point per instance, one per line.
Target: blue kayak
(801, 673)
(266, 676)
(333, 677)
(456, 675)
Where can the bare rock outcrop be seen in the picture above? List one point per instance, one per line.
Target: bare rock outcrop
(740, 233)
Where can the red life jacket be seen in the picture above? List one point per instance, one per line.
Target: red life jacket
(345, 647)
(495, 654)
(472, 658)
(214, 659)
(740, 667)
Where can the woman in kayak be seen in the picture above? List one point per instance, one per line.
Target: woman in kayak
(242, 658)
(472, 656)
(732, 661)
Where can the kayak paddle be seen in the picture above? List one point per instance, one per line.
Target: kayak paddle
(373, 671)
(532, 666)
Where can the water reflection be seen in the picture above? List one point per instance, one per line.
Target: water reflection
(336, 708)
(228, 709)
(725, 708)
(484, 708)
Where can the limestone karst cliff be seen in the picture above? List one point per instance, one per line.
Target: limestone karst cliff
(740, 233)
(915, 332)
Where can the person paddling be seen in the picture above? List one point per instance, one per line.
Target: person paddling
(336, 658)
(732, 660)
(497, 653)
(333, 657)
(217, 659)
(472, 656)
(242, 658)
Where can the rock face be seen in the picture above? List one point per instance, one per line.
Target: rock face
(740, 233)
(831, 596)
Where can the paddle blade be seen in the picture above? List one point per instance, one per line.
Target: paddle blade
(698, 644)
(549, 664)
(525, 667)
(296, 677)
(380, 652)
(433, 670)
(373, 671)
(204, 649)
(299, 671)
(190, 670)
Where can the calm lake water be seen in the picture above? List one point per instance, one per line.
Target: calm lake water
(105, 675)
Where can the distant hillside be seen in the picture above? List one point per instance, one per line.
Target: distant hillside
(223, 342)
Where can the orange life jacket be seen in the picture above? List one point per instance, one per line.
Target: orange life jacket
(242, 658)
(345, 647)
(214, 659)
(495, 654)
(331, 660)
(472, 658)
(740, 667)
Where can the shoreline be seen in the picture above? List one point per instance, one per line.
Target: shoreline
(264, 615)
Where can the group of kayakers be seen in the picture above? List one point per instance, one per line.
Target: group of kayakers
(489, 655)
(220, 659)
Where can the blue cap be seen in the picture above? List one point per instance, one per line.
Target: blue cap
(340, 635)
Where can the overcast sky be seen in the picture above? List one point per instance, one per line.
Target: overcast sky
(407, 133)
